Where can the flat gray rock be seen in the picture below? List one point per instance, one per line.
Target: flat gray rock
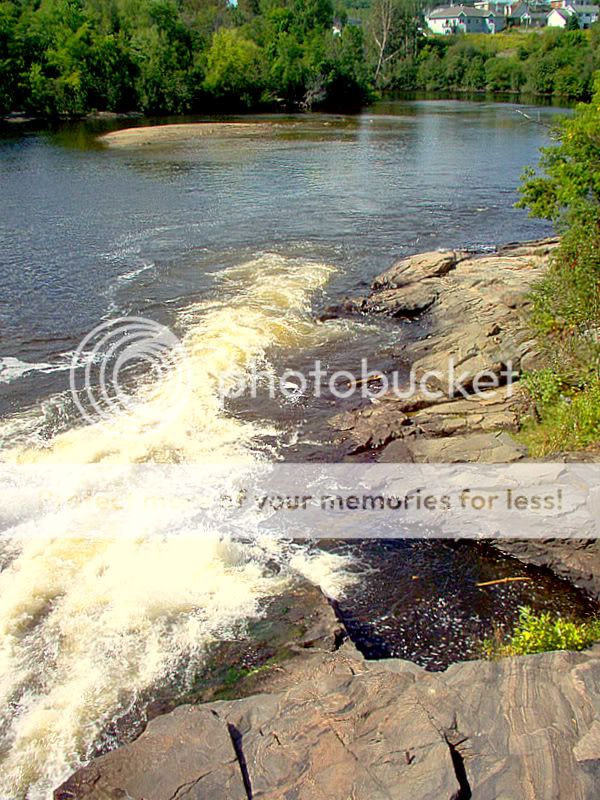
(517, 729)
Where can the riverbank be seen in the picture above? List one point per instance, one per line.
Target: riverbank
(475, 307)
(323, 719)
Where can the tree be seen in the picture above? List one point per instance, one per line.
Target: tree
(394, 27)
(384, 29)
(234, 68)
(569, 181)
(573, 23)
(566, 190)
(504, 74)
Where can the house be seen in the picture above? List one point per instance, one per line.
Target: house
(500, 7)
(587, 15)
(559, 16)
(525, 15)
(464, 19)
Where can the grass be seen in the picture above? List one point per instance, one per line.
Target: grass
(569, 418)
(540, 633)
(565, 319)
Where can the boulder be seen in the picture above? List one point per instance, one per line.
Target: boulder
(417, 268)
(481, 448)
(425, 426)
(407, 303)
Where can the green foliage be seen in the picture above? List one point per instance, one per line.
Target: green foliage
(540, 633)
(543, 385)
(234, 67)
(571, 170)
(67, 57)
(548, 62)
(394, 33)
(571, 422)
(565, 313)
(504, 75)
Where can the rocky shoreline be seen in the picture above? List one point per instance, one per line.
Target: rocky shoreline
(475, 307)
(475, 311)
(324, 723)
(328, 725)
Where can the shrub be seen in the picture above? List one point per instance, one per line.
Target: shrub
(565, 311)
(540, 633)
(544, 386)
(504, 75)
(234, 67)
(571, 423)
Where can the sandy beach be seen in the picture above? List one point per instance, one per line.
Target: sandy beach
(163, 134)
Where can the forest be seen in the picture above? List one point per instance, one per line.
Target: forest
(69, 57)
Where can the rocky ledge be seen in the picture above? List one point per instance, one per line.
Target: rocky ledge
(474, 311)
(334, 727)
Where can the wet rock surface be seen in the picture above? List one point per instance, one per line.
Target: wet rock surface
(336, 727)
(291, 623)
(476, 324)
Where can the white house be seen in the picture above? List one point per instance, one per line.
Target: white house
(586, 15)
(500, 7)
(464, 19)
(559, 18)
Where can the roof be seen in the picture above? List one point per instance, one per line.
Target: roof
(450, 12)
(562, 12)
(521, 10)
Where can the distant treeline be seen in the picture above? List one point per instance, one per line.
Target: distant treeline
(552, 62)
(171, 56)
(68, 57)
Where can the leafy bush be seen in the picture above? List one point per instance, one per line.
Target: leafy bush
(565, 312)
(571, 423)
(66, 57)
(543, 385)
(234, 67)
(545, 62)
(504, 74)
(539, 633)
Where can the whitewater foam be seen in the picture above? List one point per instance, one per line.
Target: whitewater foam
(91, 620)
(12, 368)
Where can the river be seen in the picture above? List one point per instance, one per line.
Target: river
(231, 242)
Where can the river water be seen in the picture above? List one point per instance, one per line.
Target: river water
(232, 242)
